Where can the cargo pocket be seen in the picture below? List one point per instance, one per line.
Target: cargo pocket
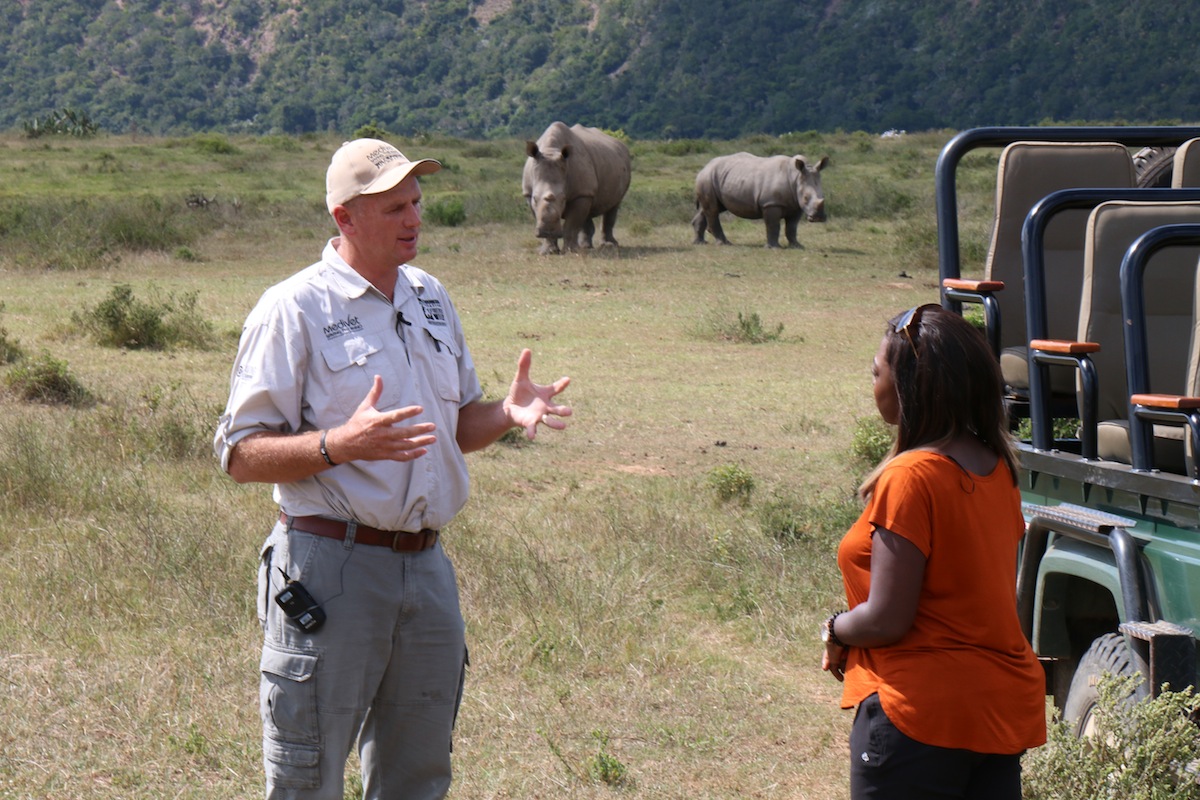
(288, 705)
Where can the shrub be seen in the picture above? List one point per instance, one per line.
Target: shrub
(64, 122)
(214, 144)
(447, 212)
(604, 767)
(1139, 751)
(46, 379)
(372, 130)
(746, 329)
(731, 482)
(619, 134)
(10, 351)
(871, 440)
(122, 320)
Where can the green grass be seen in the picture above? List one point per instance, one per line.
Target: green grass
(629, 632)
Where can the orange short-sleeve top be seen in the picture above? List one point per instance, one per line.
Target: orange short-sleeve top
(964, 676)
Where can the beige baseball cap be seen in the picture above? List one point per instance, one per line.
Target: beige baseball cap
(369, 166)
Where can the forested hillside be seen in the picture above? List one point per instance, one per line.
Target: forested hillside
(654, 68)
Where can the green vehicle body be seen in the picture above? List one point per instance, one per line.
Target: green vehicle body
(1110, 564)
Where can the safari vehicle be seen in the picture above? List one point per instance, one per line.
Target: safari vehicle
(1089, 299)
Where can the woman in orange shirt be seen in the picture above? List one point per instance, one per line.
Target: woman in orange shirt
(949, 692)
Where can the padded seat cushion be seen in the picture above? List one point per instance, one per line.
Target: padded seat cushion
(1113, 444)
(1014, 366)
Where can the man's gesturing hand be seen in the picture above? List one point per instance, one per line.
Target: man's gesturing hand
(373, 435)
(528, 403)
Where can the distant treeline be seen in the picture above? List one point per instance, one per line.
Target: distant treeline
(653, 68)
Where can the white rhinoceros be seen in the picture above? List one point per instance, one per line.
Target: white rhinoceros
(771, 189)
(572, 175)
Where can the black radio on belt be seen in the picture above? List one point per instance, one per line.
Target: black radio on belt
(299, 605)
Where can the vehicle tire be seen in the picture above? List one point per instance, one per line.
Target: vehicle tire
(1154, 167)
(1108, 654)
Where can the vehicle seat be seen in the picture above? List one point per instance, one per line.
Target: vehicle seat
(1186, 168)
(1027, 172)
(1169, 289)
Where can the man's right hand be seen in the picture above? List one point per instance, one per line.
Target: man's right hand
(373, 435)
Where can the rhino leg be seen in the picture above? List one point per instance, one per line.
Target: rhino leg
(714, 225)
(790, 223)
(609, 223)
(577, 226)
(772, 217)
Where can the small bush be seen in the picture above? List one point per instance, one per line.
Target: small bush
(122, 320)
(619, 134)
(46, 379)
(871, 440)
(372, 130)
(604, 767)
(1139, 751)
(64, 122)
(448, 212)
(214, 144)
(746, 329)
(10, 350)
(731, 483)
(482, 150)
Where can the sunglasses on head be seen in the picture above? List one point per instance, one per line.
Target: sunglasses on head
(909, 324)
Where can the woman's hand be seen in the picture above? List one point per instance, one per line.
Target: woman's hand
(833, 660)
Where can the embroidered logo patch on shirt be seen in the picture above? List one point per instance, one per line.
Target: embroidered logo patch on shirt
(434, 313)
(342, 327)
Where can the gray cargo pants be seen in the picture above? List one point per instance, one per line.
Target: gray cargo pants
(386, 667)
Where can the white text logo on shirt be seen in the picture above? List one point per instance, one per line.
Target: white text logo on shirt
(342, 327)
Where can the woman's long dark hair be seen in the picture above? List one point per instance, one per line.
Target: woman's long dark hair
(949, 383)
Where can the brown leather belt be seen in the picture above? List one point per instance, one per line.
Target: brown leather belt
(398, 541)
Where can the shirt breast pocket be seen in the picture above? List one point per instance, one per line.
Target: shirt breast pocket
(353, 362)
(445, 356)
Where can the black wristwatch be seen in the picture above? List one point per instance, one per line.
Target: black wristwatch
(828, 634)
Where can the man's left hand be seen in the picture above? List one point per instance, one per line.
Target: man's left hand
(529, 403)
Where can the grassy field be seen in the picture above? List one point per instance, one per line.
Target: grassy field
(642, 591)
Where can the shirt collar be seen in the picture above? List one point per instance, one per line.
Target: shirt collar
(355, 285)
(342, 274)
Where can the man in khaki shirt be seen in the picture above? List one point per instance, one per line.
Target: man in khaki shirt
(354, 393)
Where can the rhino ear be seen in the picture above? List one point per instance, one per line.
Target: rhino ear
(802, 164)
(531, 149)
(566, 152)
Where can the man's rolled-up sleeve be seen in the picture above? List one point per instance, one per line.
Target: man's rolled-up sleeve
(265, 389)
